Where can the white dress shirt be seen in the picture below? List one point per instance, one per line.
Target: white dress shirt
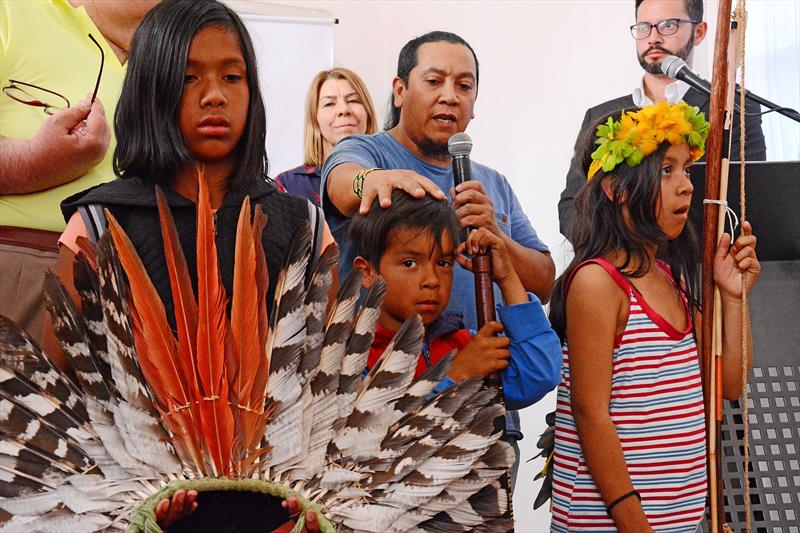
(674, 93)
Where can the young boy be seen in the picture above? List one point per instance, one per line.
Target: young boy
(412, 246)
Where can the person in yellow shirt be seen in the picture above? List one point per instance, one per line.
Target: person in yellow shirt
(54, 140)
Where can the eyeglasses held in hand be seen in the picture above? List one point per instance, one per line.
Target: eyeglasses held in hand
(36, 96)
(664, 28)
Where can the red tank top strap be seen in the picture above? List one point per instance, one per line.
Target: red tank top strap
(618, 278)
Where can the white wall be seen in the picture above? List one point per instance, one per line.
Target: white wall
(285, 72)
(542, 64)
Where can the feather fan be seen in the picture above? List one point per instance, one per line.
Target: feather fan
(242, 395)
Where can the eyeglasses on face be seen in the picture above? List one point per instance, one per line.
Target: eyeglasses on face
(666, 27)
(49, 101)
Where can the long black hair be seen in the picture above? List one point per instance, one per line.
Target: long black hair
(149, 141)
(408, 59)
(600, 229)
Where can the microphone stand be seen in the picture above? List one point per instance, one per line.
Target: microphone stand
(677, 69)
(785, 111)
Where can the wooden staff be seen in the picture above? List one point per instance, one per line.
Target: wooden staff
(484, 289)
(716, 169)
(484, 306)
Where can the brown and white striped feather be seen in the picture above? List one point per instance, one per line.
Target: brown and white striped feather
(76, 345)
(450, 462)
(21, 425)
(316, 304)
(386, 382)
(419, 435)
(323, 410)
(480, 512)
(18, 389)
(139, 447)
(87, 284)
(402, 507)
(356, 355)
(285, 345)
(80, 494)
(20, 354)
(420, 390)
(460, 490)
(125, 369)
(56, 521)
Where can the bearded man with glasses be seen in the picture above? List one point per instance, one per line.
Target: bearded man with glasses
(61, 70)
(662, 28)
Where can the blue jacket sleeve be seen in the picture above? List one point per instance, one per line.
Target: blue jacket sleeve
(535, 365)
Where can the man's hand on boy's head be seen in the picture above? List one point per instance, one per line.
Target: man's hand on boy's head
(485, 354)
(473, 207)
(380, 184)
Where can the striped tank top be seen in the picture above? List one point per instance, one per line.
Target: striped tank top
(656, 406)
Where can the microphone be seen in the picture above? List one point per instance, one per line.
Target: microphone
(677, 69)
(460, 146)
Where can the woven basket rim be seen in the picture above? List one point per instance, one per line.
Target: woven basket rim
(143, 517)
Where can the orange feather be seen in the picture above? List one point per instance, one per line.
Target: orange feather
(178, 416)
(244, 364)
(154, 329)
(184, 303)
(156, 347)
(217, 417)
(262, 283)
(244, 310)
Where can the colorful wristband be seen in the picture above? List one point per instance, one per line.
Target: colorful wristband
(358, 181)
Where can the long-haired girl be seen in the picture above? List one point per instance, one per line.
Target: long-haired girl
(630, 436)
(191, 100)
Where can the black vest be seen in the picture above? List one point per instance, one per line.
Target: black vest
(133, 203)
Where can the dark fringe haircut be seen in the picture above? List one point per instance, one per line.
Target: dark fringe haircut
(370, 233)
(694, 8)
(408, 59)
(598, 227)
(146, 123)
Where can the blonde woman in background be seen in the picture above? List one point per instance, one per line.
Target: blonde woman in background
(338, 104)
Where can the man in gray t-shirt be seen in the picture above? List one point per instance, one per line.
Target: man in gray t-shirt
(432, 99)
(384, 151)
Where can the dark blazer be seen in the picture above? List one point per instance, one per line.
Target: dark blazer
(755, 149)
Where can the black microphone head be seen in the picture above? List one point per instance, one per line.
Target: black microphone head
(459, 145)
(671, 65)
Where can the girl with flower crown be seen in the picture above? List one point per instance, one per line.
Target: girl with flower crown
(630, 450)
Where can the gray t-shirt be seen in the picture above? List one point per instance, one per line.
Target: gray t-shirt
(384, 151)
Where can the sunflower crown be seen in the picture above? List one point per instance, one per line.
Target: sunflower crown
(639, 133)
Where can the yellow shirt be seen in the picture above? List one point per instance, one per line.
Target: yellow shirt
(46, 43)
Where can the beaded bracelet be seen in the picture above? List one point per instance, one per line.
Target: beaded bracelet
(358, 181)
(622, 498)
